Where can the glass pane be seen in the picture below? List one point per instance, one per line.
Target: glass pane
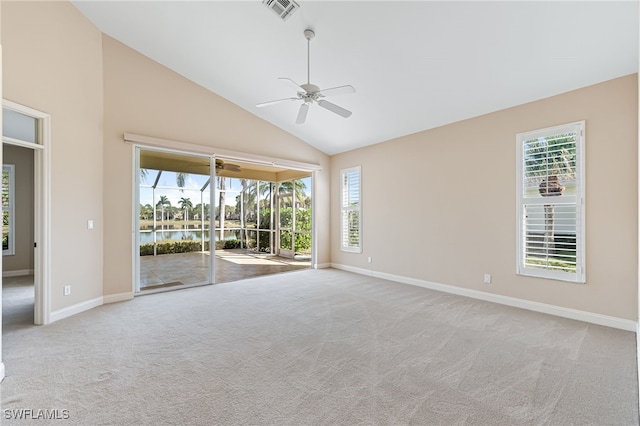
(249, 200)
(19, 126)
(175, 226)
(264, 216)
(351, 231)
(549, 165)
(302, 219)
(5, 230)
(550, 237)
(303, 243)
(252, 240)
(5, 188)
(265, 242)
(286, 211)
(286, 240)
(8, 220)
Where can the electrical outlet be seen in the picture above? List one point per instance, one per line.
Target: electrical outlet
(67, 290)
(487, 278)
(369, 259)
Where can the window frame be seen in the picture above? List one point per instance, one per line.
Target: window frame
(345, 209)
(579, 276)
(11, 249)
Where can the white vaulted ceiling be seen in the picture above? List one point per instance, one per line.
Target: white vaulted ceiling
(415, 65)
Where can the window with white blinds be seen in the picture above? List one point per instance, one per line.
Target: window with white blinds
(8, 209)
(351, 208)
(551, 203)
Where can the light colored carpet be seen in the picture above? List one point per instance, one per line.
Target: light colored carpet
(320, 347)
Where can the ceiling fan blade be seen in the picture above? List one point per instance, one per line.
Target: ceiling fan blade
(334, 108)
(302, 113)
(277, 101)
(340, 90)
(292, 83)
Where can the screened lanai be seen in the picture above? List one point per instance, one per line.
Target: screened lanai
(258, 217)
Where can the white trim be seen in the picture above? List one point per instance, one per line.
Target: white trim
(75, 309)
(226, 154)
(1, 371)
(344, 173)
(42, 208)
(322, 266)
(18, 142)
(22, 109)
(314, 217)
(42, 224)
(118, 297)
(17, 273)
(135, 222)
(575, 314)
(638, 243)
(212, 222)
(579, 276)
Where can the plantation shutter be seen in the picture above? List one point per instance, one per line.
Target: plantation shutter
(350, 210)
(550, 203)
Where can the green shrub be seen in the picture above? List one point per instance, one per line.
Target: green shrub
(228, 244)
(168, 247)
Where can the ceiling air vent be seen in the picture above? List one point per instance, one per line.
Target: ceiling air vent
(283, 8)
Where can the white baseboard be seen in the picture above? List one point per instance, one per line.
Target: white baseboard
(17, 273)
(118, 297)
(74, 309)
(545, 308)
(1, 371)
(638, 358)
(322, 265)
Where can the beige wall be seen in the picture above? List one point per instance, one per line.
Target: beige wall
(460, 202)
(53, 62)
(145, 98)
(22, 158)
(440, 205)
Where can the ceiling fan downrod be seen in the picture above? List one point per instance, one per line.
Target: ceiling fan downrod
(309, 35)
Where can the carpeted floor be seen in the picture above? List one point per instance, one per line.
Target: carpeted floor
(319, 347)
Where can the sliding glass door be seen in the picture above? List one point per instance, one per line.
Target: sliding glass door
(294, 218)
(174, 220)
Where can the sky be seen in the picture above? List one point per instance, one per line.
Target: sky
(167, 186)
(167, 180)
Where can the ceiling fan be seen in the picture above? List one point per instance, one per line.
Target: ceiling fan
(309, 93)
(221, 165)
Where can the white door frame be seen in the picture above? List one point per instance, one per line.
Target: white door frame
(42, 208)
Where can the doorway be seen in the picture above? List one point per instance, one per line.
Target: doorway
(173, 220)
(17, 236)
(205, 220)
(25, 202)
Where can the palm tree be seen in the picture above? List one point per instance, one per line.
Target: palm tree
(162, 203)
(296, 187)
(186, 205)
(146, 211)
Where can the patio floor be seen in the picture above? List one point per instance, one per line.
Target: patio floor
(184, 269)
